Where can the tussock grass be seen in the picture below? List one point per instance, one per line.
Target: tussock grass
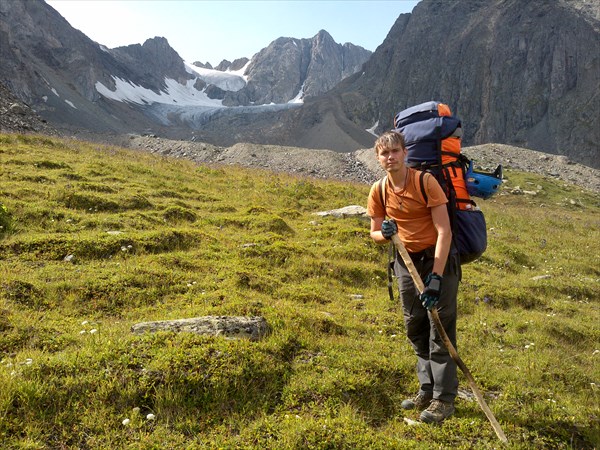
(95, 238)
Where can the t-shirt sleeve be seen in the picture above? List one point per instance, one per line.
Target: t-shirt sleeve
(435, 193)
(374, 206)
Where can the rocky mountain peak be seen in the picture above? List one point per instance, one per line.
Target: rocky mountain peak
(202, 65)
(151, 62)
(323, 38)
(233, 66)
(291, 67)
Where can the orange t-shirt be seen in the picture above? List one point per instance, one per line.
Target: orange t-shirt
(409, 210)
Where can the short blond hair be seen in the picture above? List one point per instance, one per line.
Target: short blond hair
(389, 139)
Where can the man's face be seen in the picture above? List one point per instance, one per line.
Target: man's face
(391, 158)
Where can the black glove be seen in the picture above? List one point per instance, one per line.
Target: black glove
(389, 228)
(431, 294)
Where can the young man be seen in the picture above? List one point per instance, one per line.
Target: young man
(425, 231)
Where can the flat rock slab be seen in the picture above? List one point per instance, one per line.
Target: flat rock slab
(346, 211)
(231, 327)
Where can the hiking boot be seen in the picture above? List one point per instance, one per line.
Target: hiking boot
(420, 401)
(437, 411)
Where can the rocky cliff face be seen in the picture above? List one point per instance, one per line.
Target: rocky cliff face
(289, 67)
(54, 69)
(524, 73)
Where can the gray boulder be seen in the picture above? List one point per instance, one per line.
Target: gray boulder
(231, 327)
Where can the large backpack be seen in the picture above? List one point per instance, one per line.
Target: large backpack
(433, 141)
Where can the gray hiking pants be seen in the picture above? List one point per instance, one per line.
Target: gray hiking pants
(436, 370)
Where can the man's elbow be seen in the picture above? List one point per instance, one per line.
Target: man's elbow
(445, 234)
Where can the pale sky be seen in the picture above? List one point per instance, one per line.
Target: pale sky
(213, 30)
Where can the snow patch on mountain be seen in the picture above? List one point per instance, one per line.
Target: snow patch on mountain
(299, 96)
(174, 94)
(373, 128)
(187, 94)
(228, 81)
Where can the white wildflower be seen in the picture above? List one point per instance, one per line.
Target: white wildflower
(85, 322)
(93, 331)
(126, 422)
(150, 416)
(28, 361)
(82, 332)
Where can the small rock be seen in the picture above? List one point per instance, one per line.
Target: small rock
(465, 394)
(16, 108)
(541, 277)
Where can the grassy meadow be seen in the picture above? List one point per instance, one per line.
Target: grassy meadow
(94, 239)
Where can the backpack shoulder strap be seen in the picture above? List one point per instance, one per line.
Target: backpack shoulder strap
(422, 186)
(382, 184)
(391, 249)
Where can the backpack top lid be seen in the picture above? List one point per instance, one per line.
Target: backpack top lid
(427, 110)
(423, 127)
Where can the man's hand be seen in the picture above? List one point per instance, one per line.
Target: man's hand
(431, 294)
(389, 228)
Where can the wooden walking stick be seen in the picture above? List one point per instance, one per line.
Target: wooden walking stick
(442, 332)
